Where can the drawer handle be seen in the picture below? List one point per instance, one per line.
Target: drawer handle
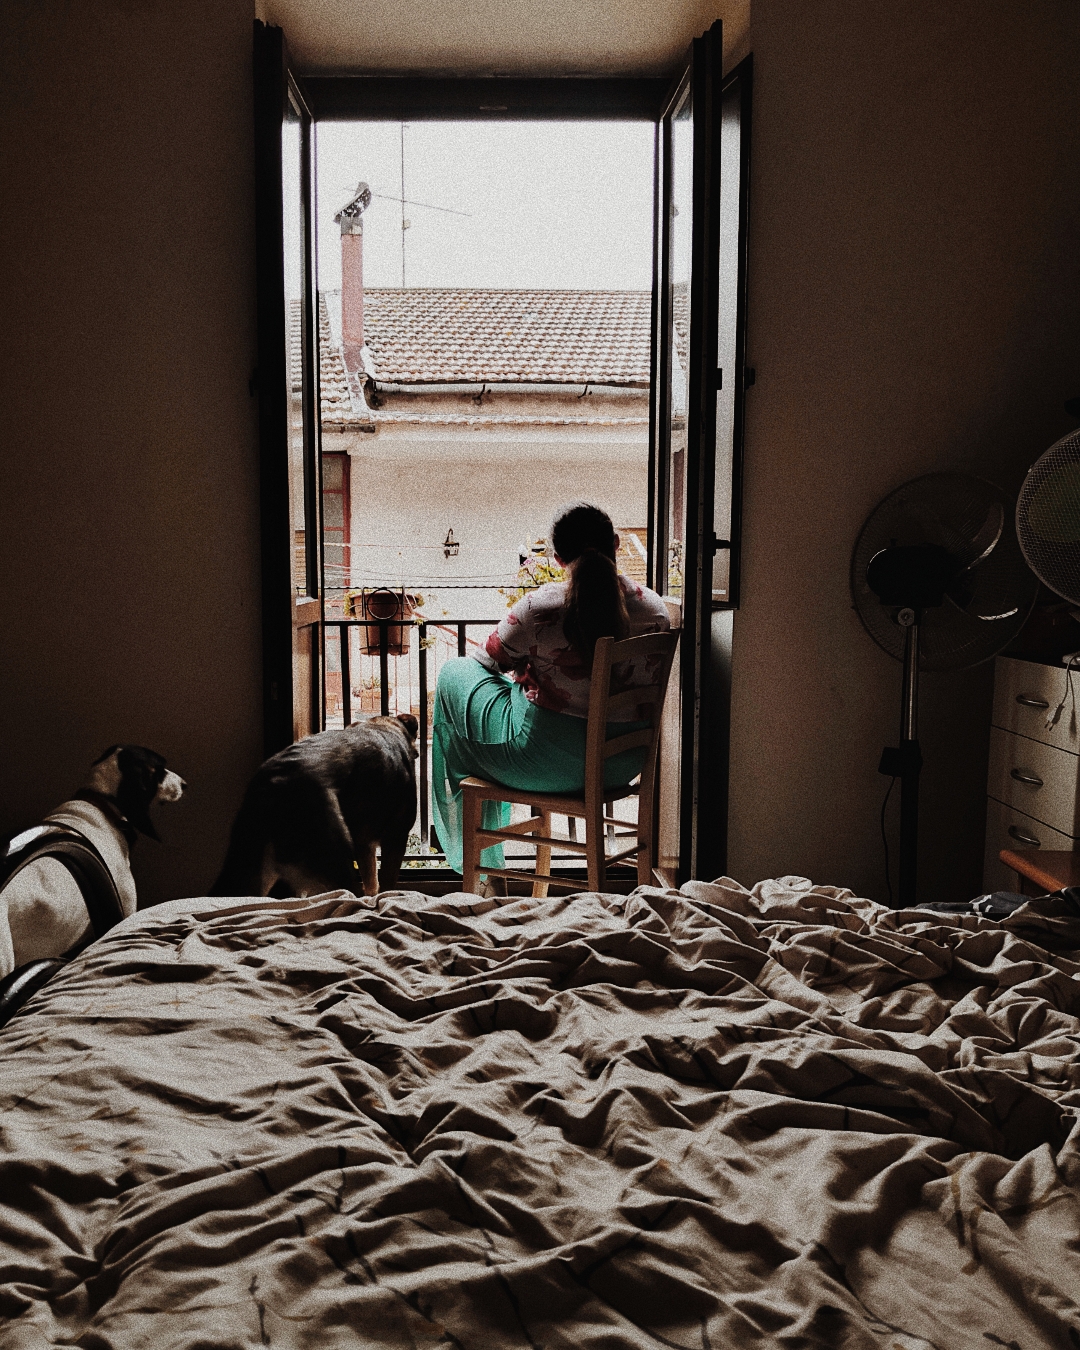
(1018, 834)
(1026, 701)
(1026, 776)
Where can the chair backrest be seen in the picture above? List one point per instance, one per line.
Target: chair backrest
(641, 703)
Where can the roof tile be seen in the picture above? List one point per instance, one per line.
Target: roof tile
(446, 335)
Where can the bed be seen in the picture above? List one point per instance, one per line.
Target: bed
(702, 1119)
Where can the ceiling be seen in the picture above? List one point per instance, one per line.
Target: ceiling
(499, 37)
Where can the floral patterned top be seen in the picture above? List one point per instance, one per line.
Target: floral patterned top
(531, 645)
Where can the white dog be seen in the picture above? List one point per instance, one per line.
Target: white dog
(42, 912)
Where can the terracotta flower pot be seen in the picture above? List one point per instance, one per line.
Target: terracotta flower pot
(383, 603)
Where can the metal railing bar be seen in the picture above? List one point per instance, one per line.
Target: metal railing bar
(447, 628)
(346, 680)
(510, 857)
(384, 667)
(422, 658)
(446, 624)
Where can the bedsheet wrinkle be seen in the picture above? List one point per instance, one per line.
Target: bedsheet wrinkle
(702, 1118)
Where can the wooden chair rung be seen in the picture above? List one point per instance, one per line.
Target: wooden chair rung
(519, 873)
(552, 841)
(521, 828)
(624, 853)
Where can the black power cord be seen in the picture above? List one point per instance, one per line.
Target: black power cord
(885, 839)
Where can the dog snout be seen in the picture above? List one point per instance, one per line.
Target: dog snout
(172, 787)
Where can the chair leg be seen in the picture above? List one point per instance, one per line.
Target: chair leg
(645, 851)
(543, 854)
(470, 842)
(595, 841)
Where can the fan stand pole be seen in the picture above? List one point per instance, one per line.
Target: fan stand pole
(910, 759)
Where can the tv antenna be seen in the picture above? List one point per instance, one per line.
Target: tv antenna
(404, 201)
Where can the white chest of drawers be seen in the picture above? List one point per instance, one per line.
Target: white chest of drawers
(1033, 781)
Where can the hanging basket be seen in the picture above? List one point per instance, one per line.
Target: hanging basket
(382, 603)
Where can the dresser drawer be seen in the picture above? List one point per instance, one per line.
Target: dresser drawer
(1035, 779)
(1006, 828)
(1025, 694)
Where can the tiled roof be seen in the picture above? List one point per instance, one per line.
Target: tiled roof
(333, 384)
(449, 335)
(341, 411)
(632, 558)
(504, 420)
(563, 337)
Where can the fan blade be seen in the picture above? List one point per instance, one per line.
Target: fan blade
(987, 538)
(995, 589)
(986, 618)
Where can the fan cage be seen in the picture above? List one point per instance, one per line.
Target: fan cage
(950, 510)
(1048, 518)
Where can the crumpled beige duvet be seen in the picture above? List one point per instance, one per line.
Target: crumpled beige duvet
(702, 1119)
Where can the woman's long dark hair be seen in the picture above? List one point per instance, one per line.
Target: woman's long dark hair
(595, 604)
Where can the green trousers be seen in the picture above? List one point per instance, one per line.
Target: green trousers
(484, 725)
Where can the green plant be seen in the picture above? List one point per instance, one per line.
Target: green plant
(534, 572)
(428, 857)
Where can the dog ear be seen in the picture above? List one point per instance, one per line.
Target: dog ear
(141, 771)
(411, 725)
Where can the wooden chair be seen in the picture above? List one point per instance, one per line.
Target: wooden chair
(644, 702)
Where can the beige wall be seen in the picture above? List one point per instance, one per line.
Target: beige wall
(129, 507)
(496, 490)
(914, 306)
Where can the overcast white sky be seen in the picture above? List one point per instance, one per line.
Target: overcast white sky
(551, 204)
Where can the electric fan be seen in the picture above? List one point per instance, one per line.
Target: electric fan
(1048, 518)
(940, 583)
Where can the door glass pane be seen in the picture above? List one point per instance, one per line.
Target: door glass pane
(292, 211)
(728, 282)
(679, 252)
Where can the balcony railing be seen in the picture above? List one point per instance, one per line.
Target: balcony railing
(386, 667)
(389, 681)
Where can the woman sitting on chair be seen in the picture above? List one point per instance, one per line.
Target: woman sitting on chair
(528, 731)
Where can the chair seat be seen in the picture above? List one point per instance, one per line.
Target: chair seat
(561, 803)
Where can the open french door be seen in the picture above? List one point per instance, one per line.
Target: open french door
(699, 381)
(288, 400)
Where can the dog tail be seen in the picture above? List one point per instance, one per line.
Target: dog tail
(241, 872)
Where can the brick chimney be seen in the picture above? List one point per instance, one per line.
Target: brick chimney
(351, 220)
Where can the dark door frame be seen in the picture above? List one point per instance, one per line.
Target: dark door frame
(275, 89)
(705, 659)
(706, 664)
(372, 98)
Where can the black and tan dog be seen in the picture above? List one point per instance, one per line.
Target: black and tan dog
(314, 812)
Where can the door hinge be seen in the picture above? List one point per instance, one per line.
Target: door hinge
(749, 376)
(719, 545)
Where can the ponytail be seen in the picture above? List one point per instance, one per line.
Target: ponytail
(595, 604)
